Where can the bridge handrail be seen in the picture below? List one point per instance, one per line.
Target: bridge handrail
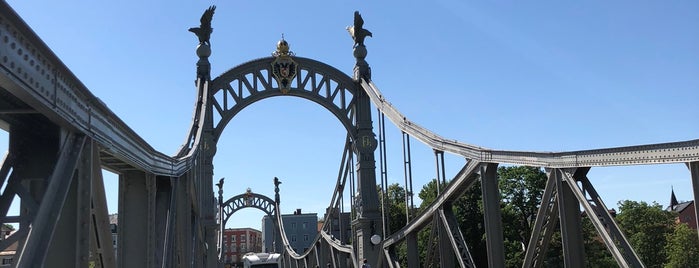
(660, 153)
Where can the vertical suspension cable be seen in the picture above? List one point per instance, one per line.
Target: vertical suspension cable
(384, 174)
(444, 176)
(439, 173)
(407, 176)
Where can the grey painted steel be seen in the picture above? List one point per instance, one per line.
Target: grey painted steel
(446, 249)
(413, 253)
(34, 75)
(102, 238)
(571, 231)
(694, 170)
(39, 237)
(431, 257)
(544, 225)
(408, 177)
(455, 237)
(132, 239)
(492, 216)
(248, 83)
(662, 153)
(251, 200)
(464, 179)
(603, 222)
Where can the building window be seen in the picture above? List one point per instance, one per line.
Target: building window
(305, 237)
(7, 261)
(293, 238)
(293, 226)
(305, 225)
(232, 238)
(242, 238)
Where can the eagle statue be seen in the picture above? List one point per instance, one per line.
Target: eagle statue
(357, 31)
(203, 32)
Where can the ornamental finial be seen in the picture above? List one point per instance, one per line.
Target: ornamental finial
(282, 48)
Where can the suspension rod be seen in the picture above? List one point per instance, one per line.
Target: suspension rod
(383, 173)
(408, 177)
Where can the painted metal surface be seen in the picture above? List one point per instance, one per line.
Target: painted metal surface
(166, 199)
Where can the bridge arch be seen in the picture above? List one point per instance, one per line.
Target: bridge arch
(247, 200)
(253, 81)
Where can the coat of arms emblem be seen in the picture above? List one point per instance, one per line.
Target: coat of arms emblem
(283, 66)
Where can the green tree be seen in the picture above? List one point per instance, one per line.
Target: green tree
(9, 226)
(468, 210)
(596, 253)
(647, 227)
(521, 188)
(395, 214)
(682, 247)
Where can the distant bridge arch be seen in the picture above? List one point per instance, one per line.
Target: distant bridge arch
(247, 200)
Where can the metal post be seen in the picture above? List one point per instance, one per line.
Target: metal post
(569, 209)
(413, 254)
(102, 238)
(39, 237)
(492, 215)
(694, 170)
(408, 175)
(133, 220)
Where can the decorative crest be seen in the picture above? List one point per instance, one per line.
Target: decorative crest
(248, 196)
(283, 66)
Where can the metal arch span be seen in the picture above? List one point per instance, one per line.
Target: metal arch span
(250, 82)
(247, 200)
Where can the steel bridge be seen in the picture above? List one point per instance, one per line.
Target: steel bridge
(61, 136)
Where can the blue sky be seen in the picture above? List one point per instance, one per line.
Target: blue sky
(531, 76)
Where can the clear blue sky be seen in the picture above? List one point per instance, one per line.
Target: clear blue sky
(544, 76)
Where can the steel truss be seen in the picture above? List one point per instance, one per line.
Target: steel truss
(567, 190)
(167, 200)
(64, 215)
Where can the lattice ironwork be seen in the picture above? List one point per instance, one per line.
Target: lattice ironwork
(254, 81)
(247, 200)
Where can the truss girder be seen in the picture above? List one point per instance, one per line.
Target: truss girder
(544, 226)
(673, 152)
(456, 238)
(466, 177)
(39, 237)
(601, 219)
(35, 75)
(432, 259)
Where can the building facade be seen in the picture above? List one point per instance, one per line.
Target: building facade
(340, 226)
(300, 228)
(237, 242)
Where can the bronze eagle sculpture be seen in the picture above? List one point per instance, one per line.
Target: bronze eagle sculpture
(357, 31)
(203, 32)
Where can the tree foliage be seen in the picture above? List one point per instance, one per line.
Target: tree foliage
(682, 247)
(647, 227)
(650, 229)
